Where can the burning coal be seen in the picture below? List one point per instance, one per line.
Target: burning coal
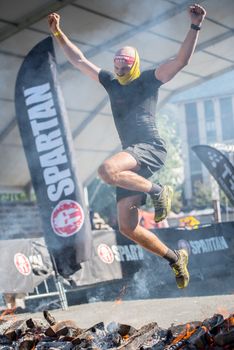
(215, 333)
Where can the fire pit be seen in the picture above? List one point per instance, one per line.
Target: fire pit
(215, 333)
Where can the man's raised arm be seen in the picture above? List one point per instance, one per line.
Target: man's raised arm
(71, 51)
(166, 71)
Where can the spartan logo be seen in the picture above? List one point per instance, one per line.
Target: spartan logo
(105, 253)
(22, 264)
(49, 142)
(67, 218)
(131, 252)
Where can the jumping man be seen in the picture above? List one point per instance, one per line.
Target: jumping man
(133, 98)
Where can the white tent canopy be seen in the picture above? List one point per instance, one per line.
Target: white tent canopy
(99, 28)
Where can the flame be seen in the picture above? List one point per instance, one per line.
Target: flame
(230, 322)
(189, 330)
(119, 300)
(126, 337)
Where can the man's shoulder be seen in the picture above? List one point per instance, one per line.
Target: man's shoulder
(149, 76)
(105, 74)
(148, 71)
(106, 78)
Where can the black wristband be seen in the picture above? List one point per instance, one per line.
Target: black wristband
(195, 27)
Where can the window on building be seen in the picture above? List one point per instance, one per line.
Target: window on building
(192, 124)
(227, 118)
(210, 121)
(192, 136)
(195, 163)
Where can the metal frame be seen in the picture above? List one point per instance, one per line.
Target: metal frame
(32, 17)
(60, 292)
(27, 21)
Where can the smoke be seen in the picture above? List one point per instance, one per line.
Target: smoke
(153, 279)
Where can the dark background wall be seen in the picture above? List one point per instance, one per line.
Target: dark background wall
(19, 219)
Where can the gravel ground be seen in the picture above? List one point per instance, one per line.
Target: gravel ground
(140, 312)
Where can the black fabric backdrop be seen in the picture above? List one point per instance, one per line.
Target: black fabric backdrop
(145, 275)
(115, 257)
(211, 251)
(219, 166)
(48, 146)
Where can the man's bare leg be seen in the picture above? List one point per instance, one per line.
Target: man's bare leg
(119, 171)
(128, 218)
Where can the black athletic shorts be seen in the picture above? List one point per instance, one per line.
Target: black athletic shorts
(150, 157)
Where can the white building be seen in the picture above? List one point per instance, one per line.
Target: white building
(206, 116)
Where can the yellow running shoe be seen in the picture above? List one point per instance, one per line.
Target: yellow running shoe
(162, 203)
(180, 268)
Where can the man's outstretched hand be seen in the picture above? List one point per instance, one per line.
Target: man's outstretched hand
(197, 14)
(53, 21)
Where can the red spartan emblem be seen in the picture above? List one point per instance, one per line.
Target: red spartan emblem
(105, 253)
(67, 218)
(22, 264)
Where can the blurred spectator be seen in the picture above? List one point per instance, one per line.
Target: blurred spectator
(99, 223)
(147, 221)
(91, 215)
(13, 301)
(189, 222)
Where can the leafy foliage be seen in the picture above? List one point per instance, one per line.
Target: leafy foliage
(202, 195)
(172, 173)
(102, 199)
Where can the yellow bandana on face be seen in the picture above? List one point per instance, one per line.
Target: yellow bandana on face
(134, 72)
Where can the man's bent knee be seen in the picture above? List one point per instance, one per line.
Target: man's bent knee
(107, 174)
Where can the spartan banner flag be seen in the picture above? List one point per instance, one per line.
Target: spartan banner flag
(24, 264)
(15, 266)
(48, 146)
(219, 166)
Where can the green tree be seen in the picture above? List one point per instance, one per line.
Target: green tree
(201, 195)
(172, 173)
(102, 199)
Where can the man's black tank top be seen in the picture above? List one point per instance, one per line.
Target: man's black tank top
(133, 106)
